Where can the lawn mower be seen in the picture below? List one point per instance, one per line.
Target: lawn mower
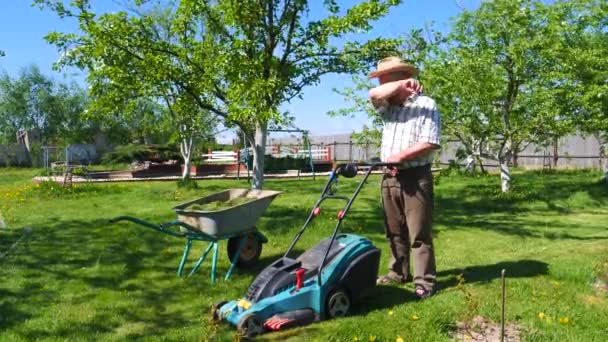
(321, 283)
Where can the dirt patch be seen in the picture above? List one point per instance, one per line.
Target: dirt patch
(601, 285)
(481, 329)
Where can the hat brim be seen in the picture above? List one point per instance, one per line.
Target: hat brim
(409, 69)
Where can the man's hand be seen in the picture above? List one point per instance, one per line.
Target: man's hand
(396, 159)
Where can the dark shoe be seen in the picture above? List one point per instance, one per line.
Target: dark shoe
(422, 293)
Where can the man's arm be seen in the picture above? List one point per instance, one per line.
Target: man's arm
(412, 152)
(380, 95)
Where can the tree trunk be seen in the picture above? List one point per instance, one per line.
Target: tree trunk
(259, 149)
(515, 163)
(505, 173)
(480, 163)
(470, 167)
(478, 153)
(185, 148)
(603, 157)
(555, 156)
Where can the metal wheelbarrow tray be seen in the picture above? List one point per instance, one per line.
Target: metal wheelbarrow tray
(235, 223)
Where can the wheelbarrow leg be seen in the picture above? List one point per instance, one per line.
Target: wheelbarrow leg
(213, 267)
(235, 258)
(201, 259)
(180, 269)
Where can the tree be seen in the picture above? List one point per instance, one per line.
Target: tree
(512, 73)
(586, 63)
(33, 101)
(239, 60)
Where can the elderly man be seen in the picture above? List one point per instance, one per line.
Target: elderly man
(409, 139)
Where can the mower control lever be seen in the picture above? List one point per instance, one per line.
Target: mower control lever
(300, 278)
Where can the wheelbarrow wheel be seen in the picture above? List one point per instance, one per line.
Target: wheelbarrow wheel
(250, 254)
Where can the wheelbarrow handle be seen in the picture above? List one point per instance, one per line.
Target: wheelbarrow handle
(191, 231)
(156, 227)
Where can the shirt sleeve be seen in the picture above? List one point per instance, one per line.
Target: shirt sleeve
(430, 126)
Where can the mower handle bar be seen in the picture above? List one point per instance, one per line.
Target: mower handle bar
(348, 170)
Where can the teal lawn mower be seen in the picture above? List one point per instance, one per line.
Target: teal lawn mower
(322, 283)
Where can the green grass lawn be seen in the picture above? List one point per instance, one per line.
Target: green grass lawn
(76, 277)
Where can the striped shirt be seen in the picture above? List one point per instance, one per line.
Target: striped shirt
(416, 121)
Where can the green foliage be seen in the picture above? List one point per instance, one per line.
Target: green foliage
(237, 60)
(510, 73)
(140, 153)
(506, 70)
(52, 189)
(35, 102)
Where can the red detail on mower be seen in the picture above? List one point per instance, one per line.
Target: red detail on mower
(340, 214)
(316, 211)
(300, 278)
(276, 323)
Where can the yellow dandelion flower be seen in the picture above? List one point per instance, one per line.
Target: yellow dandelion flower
(356, 338)
(390, 312)
(542, 315)
(414, 318)
(372, 338)
(399, 339)
(564, 320)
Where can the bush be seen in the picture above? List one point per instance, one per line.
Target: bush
(141, 153)
(187, 183)
(285, 163)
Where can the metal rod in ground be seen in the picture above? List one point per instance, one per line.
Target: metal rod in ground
(502, 314)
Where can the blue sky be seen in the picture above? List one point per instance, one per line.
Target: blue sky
(22, 28)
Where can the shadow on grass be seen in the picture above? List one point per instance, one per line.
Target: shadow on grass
(381, 298)
(57, 259)
(487, 273)
(9, 312)
(89, 262)
(555, 189)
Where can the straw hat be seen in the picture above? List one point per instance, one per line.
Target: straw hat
(393, 64)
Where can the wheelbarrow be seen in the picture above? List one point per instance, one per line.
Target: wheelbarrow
(234, 223)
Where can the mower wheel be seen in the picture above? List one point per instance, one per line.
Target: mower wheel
(250, 254)
(215, 310)
(250, 326)
(337, 304)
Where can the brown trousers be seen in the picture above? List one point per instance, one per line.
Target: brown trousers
(408, 213)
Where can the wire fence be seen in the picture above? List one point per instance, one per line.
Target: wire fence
(576, 151)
